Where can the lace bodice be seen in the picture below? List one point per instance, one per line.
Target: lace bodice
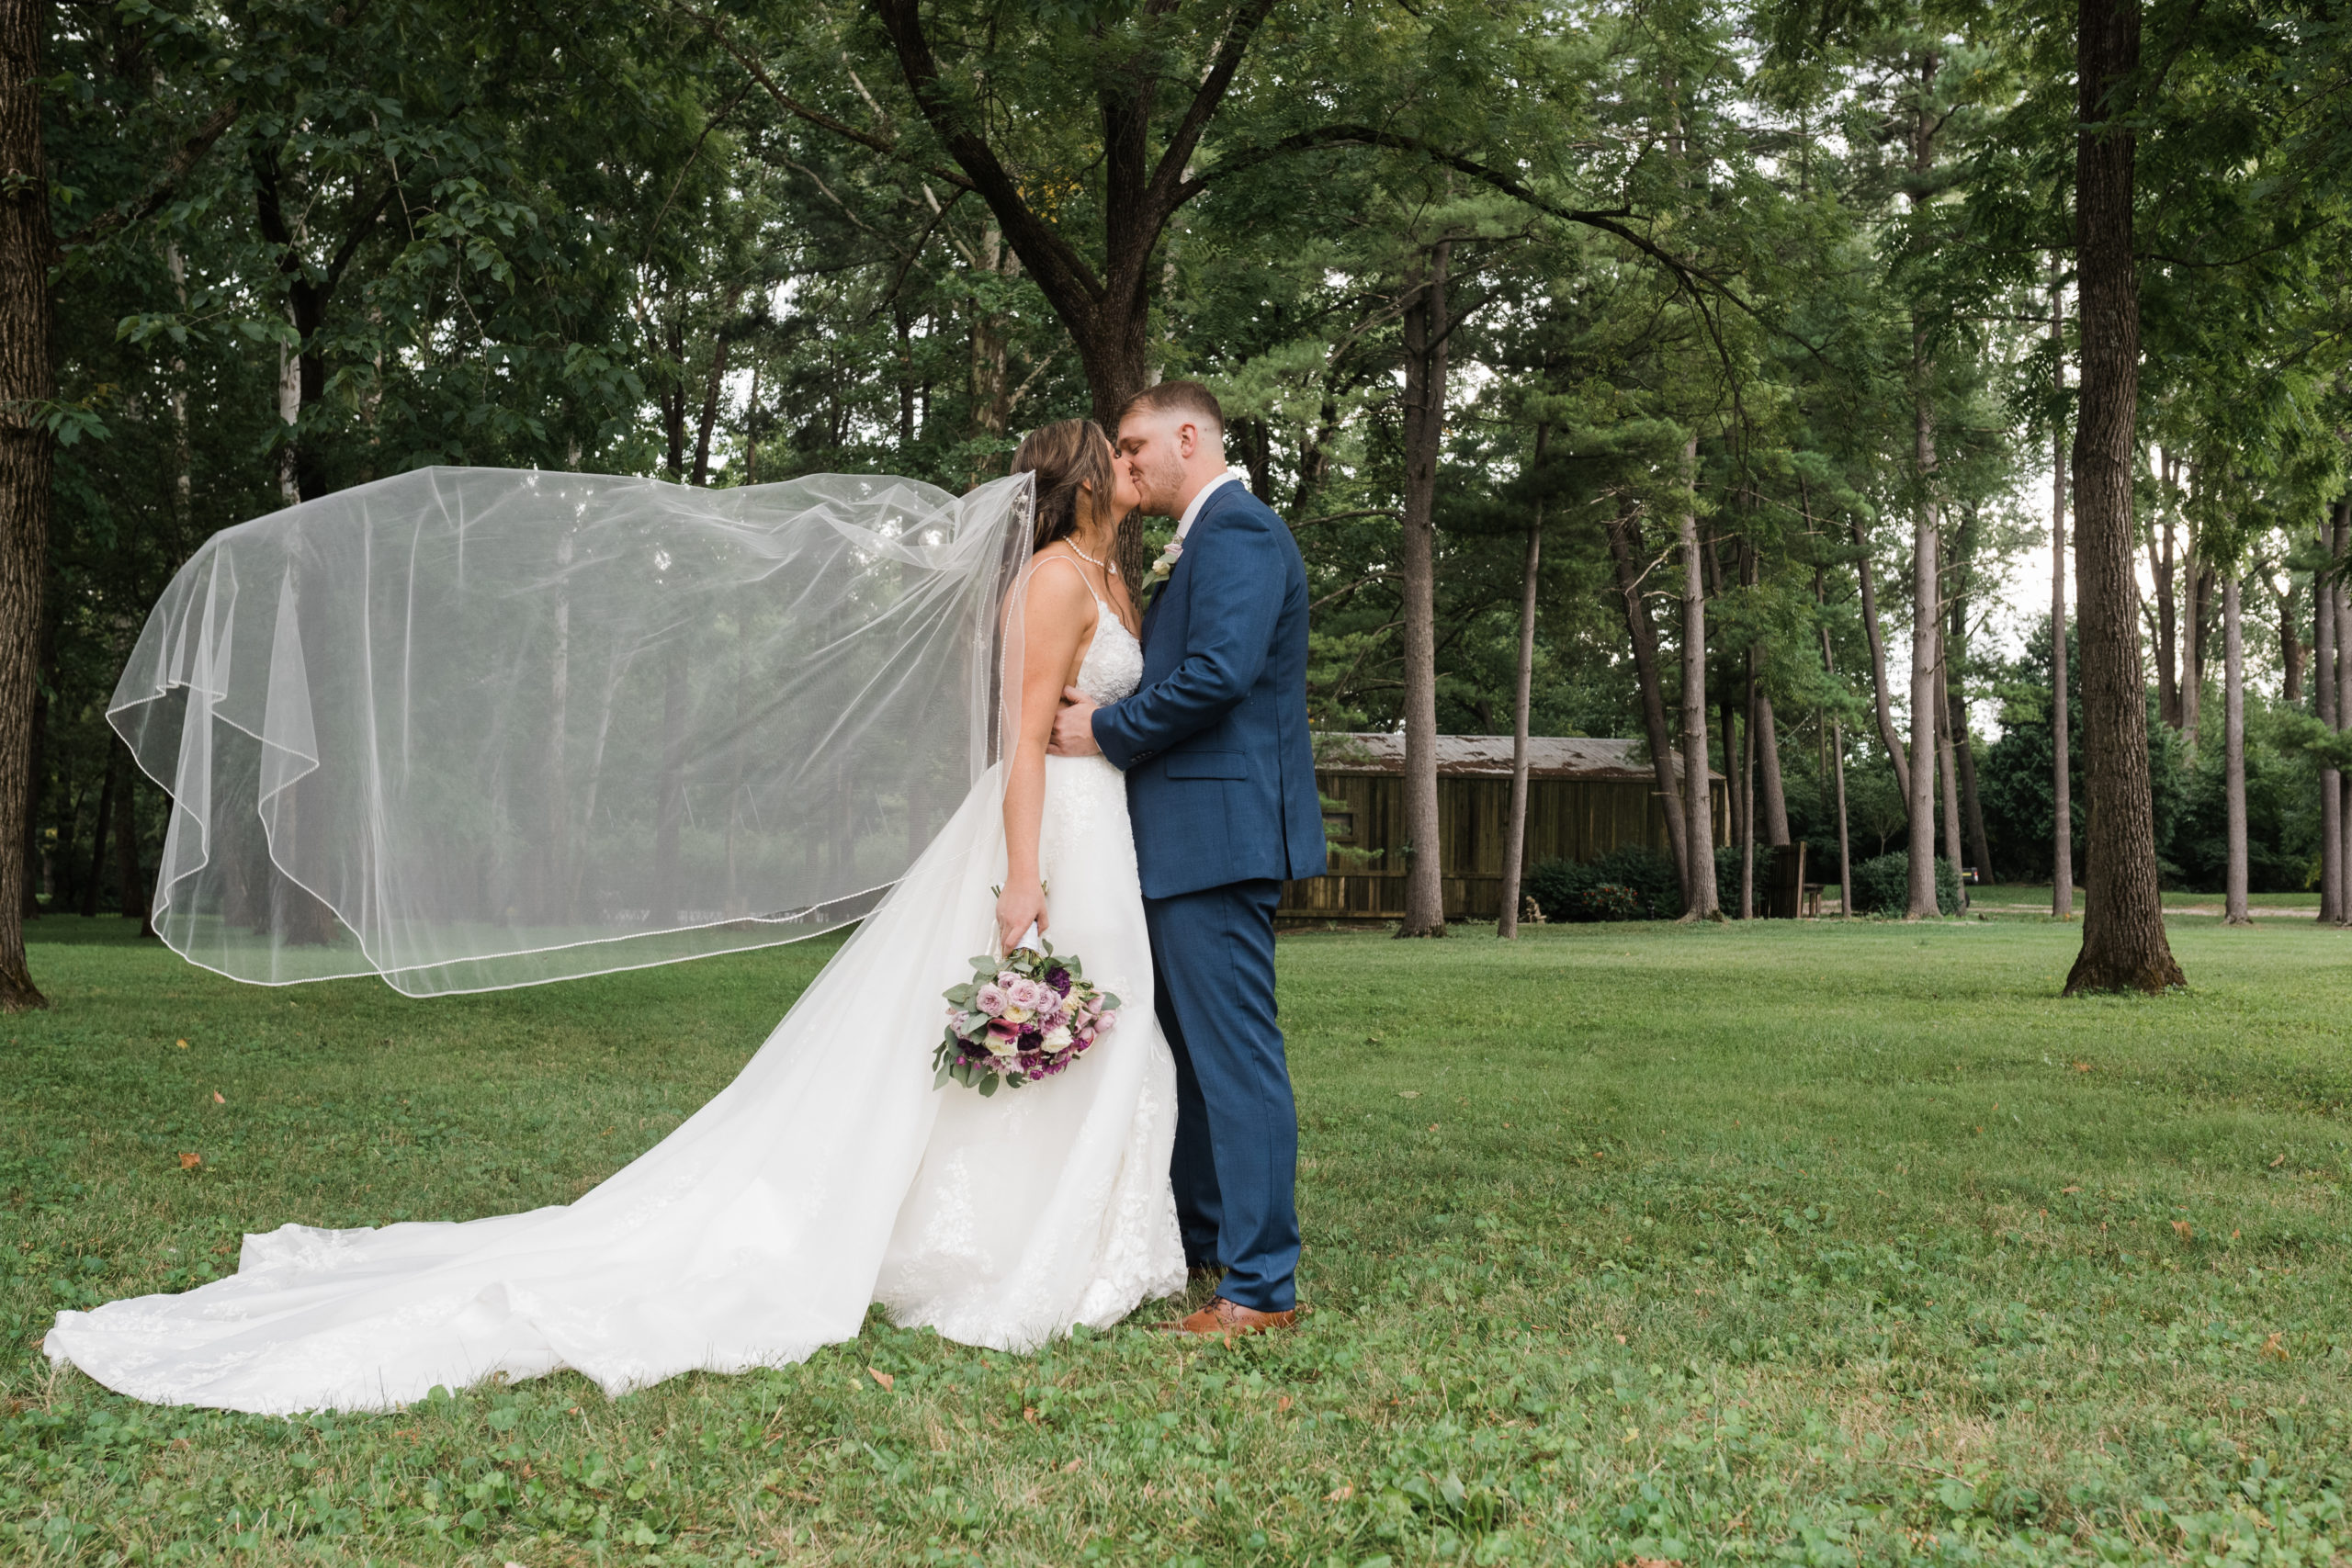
(1112, 667)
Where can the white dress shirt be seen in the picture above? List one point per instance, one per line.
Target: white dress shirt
(1184, 523)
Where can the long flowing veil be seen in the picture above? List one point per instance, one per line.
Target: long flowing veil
(474, 727)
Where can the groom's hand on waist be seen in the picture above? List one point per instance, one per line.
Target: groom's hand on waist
(1074, 726)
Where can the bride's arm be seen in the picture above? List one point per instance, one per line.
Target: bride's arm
(1054, 614)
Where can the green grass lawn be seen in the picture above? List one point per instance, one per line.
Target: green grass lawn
(2037, 895)
(1794, 1242)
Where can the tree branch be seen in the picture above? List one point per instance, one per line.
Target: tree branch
(1059, 270)
(798, 110)
(183, 161)
(1610, 220)
(1166, 192)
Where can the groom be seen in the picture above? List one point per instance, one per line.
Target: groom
(1221, 786)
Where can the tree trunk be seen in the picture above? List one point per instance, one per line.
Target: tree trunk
(1971, 804)
(1735, 781)
(1838, 756)
(1927, 619)
(752, 428)
(1425, 362)
(2193, 642)
(1768, 758)
(712, 386)
(2290, 645)
(1948, 765)
(99, 827)
(2342, 551)
(1699, 900)
(28, 449)
(135, 904)
(673, 398)
(1626, 552)
(1955, 664)
(906, 334)
(289, 414)
(2062, 834)
(1748, 800)
(2124, 947)
(670, 803)
(1515, 829)
(2161, 560)
(1877, 645)
(2324, 705)
(35, 777)
(2233, 747)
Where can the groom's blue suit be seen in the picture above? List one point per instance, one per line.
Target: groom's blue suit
(1221, 785)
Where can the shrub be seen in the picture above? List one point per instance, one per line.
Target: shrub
(1608, 901)
(1643, 879)
(1882, 884)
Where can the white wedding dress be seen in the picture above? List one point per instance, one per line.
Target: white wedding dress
(831, 1175)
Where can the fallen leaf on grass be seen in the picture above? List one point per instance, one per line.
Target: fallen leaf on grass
(2273, 1349)
(180, 1043)
(1029, 1413)
(2070, 1190)
(1341, 1493)
(2184, 1230)
(189, 1162)
(2082, 1067)
(1073, 1467)
(1433, 1126)
(217, 1100)
(883, 1378)
(1409, 1094)
(2279, 1161)
(1281, 1404)
(1651, 1563)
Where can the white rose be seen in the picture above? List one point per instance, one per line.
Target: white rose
(1060, 1039)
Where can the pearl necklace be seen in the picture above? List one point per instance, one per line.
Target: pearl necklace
(1108, 569)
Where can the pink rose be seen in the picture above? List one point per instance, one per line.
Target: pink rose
(989, 999)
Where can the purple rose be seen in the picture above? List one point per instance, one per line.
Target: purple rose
(1058, 979)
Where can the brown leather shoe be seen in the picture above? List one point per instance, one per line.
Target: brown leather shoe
(1229, 1320)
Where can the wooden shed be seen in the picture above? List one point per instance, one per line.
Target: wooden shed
(1585, 798)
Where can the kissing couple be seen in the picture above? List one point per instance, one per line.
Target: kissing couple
(1154, 787)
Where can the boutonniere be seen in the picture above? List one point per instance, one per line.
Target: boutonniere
(1166, 561)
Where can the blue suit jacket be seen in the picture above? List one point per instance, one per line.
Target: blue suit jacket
(1221, 771)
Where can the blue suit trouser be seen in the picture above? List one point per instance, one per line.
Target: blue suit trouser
(1236, 1167)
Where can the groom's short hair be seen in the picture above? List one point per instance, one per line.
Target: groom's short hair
(1178, 397)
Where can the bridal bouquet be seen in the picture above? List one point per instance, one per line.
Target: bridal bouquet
(1022, 1017)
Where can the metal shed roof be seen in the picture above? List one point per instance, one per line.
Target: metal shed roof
(1548, 756)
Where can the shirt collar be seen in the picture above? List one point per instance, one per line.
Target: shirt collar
(1184, 523)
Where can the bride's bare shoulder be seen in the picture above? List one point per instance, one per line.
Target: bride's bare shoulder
(1054, 594)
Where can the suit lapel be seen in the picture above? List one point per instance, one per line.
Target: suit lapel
(1151, 606)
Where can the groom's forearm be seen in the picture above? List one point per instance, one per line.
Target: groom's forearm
(1196, 695)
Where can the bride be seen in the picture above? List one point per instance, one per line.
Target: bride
(831, 1175)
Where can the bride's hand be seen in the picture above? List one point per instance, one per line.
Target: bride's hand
(1016, 908)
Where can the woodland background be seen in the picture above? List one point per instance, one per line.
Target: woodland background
(1730, 339)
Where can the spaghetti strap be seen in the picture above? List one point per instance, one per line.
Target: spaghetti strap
(1099, 602)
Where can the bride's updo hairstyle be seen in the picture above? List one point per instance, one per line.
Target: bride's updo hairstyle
(1066, 457)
